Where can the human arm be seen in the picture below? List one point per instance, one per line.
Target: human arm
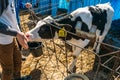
(4, 29)
(22, 39)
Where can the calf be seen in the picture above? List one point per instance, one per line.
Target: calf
(95, 19)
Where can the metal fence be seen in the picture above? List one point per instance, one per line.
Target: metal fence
(114, 56)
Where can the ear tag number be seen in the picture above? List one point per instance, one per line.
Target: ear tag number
(62, 32)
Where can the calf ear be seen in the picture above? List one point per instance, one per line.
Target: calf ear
(67, 27)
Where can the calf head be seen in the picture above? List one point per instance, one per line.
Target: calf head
(47, 29)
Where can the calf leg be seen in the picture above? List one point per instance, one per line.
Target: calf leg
(76, 53)
(101, 38)
(97, 39)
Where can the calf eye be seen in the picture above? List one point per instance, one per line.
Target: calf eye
(42, 29)
(70, 16)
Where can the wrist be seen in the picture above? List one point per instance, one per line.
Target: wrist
(18, 34)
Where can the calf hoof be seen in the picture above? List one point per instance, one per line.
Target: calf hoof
(70, 71)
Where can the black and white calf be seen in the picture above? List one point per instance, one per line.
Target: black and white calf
(96, 19)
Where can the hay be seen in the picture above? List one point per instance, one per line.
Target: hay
(52, 65)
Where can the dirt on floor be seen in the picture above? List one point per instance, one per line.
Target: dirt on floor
(53, 64)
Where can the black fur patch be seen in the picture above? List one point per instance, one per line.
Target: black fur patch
(99, 17)
(67, 20)
(46, 32)
(84, 26)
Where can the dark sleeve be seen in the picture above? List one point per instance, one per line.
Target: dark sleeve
(4, 29)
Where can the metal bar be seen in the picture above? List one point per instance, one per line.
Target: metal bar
(109, 53)
(115, 66)
(86, 35)
(118, 68)
(110, 69)
(109, 45)
(108, 60)
(95, 75)
(118, 57)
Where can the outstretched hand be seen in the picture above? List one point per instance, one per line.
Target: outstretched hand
(22, 39)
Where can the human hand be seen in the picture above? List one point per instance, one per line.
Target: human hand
(28, 5)
(22, 39)
(28, 35)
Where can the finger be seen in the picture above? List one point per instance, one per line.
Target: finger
(25, 44)
(25, 38)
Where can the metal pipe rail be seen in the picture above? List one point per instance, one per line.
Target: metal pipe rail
(117, 66)
(99, 56)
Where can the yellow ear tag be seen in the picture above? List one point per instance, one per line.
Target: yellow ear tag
(62, 32)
